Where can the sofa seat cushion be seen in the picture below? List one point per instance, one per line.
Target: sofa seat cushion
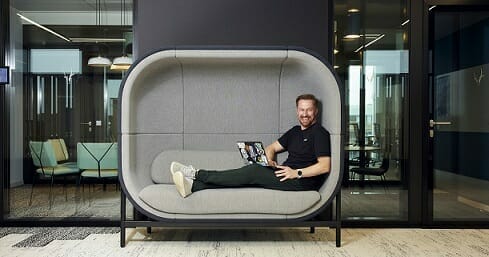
(165, 198)
(103, 173)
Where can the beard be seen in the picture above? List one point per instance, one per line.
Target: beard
(306, 121)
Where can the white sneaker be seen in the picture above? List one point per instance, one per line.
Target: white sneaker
(188, 171)
(183, 184)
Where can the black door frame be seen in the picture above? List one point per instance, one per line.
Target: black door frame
(420, 164)
(4, 111)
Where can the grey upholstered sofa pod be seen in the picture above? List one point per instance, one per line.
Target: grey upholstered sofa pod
(192, 105)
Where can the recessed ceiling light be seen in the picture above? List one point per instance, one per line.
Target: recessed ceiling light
(352, 36)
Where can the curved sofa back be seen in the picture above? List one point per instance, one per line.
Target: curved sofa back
(209, 99)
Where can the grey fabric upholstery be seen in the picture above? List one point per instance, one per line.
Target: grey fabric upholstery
(207, 100)
(165, 198)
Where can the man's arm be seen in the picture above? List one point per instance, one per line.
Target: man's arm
(322, 166)
(271, 152)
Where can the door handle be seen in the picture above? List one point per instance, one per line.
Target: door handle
(89, 125)
(433, 123)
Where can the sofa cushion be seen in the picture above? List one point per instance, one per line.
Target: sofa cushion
(165, 198)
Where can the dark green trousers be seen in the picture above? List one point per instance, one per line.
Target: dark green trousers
(253, 175)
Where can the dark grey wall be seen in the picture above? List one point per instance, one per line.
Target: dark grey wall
(168, 23)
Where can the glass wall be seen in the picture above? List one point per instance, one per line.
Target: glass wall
(371, 56)
(460, 127)
(67, 60)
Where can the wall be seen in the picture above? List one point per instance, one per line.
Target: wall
(164, 23)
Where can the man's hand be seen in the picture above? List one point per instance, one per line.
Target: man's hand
(272, 163)
(322, 166)
(286, 173)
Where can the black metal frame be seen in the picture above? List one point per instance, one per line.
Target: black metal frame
(104, 179)
(247, 223)
(4, 109)
(45, 173)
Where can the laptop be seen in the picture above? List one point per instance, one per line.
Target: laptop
(254, 152)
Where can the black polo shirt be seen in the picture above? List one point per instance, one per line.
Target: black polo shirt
(305, 146)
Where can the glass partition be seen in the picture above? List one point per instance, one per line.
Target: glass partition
(460, 126)
(63, 115)
(371, 56)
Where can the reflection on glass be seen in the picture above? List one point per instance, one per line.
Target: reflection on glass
(374, 67)
(58, 101)
(460, 93)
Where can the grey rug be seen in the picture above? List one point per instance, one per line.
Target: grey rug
(42, 236)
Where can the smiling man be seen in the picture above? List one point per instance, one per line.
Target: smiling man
(306, 167)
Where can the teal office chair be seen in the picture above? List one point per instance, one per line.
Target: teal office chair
(44, 158)
(97, 161)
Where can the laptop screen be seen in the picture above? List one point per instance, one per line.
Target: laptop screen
(253, 152)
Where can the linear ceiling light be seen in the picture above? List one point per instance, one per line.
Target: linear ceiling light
(42, 27)
(96, 40)
(370, 43)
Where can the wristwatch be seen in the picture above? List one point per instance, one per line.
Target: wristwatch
(299, 173)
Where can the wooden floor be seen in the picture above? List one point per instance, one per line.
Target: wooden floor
(258, 242)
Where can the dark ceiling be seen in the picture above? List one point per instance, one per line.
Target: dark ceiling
(68, 5)
(377, 17)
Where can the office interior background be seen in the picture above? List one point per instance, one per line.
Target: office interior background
(402, 64)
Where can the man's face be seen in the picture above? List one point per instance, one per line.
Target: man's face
(306, 113)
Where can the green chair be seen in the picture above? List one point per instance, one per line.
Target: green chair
(44, 158)
(97, 161)
(61, 152)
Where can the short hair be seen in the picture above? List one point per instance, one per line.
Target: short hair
(307, 97)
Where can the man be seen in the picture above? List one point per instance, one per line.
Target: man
(306, 167)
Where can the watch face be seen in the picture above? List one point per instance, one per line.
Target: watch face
(299, 172)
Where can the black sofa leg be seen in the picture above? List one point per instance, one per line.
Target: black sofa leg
(338, 236)
(312, 230)
(338, 219)
(123, 237)
(148, 230)
(123, 219)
